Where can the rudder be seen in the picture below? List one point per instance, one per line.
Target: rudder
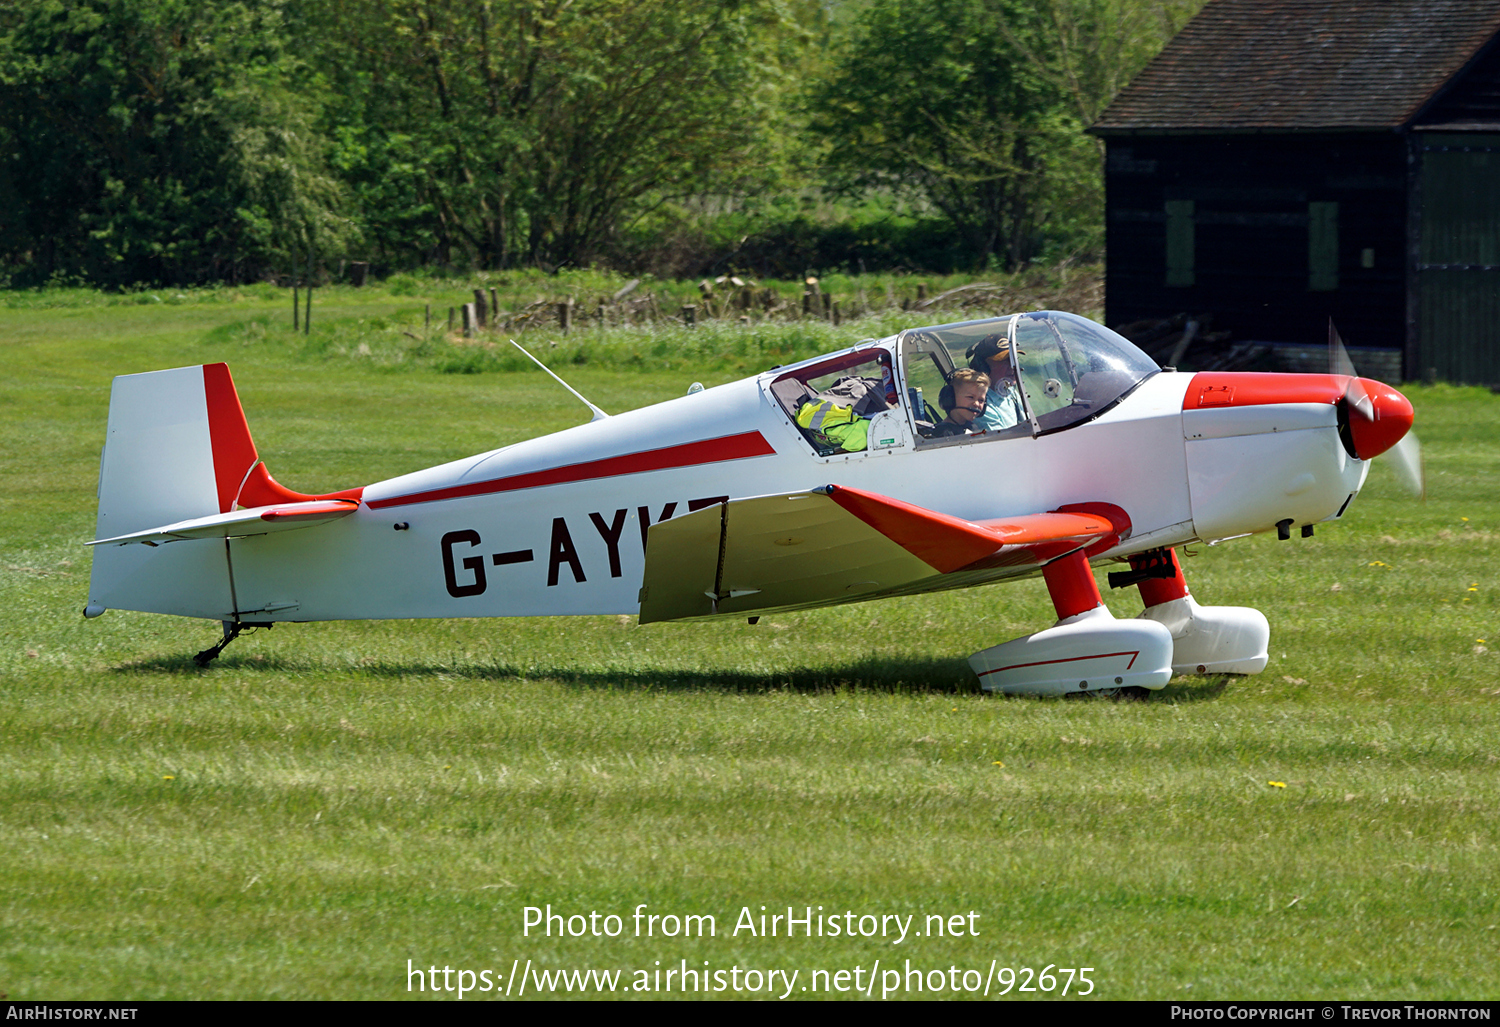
(177, 447)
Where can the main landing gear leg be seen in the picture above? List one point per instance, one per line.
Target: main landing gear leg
(1205, 639)
(1086, 650)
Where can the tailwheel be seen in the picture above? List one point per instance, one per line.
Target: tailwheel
(232, 630)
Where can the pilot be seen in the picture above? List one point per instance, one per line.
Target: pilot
(963, 399)
(1002, 405)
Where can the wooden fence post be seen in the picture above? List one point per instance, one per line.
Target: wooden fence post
(494, 304)
(481, 309)
(307, 310)
(427, 320)
(450, 320)
(690, 315)
(564, 316)
(470, 316)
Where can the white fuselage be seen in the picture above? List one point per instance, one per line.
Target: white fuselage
(556, 525)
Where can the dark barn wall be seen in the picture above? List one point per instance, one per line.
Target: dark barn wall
(1250, 235)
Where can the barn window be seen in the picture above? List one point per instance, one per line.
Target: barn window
(1323, 247)
(1180, 259)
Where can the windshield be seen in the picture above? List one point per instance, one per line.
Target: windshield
(1039, 372)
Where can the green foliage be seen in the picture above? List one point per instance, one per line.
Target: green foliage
(157, 142)
(499, 132)
(169, 142)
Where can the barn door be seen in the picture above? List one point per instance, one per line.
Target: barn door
(1459, 263)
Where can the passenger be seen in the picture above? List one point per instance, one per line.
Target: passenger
(834, 425)
(1002, 405)
(963, 399)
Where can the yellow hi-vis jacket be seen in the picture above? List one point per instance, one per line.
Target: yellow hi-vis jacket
(840, 425)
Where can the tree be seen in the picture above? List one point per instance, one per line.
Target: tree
(979, 106)
(528, 131)
(153, 142)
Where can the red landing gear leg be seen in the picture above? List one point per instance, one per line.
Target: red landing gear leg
(1086, 650)
(1205, 639)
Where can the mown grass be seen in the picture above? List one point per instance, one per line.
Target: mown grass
(331, 800)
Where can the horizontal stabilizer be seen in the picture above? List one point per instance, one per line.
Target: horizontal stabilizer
(835, 545)
(259, 520)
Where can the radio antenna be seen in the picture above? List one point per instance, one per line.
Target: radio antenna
(599, 415)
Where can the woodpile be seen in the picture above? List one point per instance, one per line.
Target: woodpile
(732, 298)
(1189, 342)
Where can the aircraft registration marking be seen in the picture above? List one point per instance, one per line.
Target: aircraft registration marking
(464, 570)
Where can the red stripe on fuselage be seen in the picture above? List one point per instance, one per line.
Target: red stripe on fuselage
(705, 451)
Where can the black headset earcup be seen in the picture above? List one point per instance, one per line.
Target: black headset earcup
(945, 398)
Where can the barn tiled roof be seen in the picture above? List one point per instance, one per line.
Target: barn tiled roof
(1295, 65)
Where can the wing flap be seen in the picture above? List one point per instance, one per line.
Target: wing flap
(834, 545)
(239, 523)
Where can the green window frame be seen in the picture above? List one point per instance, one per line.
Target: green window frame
(1181, 261)
(1322, 246)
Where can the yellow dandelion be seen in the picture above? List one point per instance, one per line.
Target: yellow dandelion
(1276, 784)
(1479, 640)
(169, 777)
(1463, 518)
(997, 763)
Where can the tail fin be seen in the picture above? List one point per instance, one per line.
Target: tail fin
(178, 447)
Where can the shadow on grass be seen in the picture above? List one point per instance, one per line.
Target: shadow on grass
(1194, 688)
(948, 677)
(893, 675)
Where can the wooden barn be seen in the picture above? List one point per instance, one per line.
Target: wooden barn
(1282, 162)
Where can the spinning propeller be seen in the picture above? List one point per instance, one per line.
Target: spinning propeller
(1379, 419)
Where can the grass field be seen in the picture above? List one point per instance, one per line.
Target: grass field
(330, 801)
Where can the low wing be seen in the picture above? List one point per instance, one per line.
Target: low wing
(258, 520)
(837, 545)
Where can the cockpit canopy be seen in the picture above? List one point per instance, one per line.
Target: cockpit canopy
(1066, 368)
(1046, 371)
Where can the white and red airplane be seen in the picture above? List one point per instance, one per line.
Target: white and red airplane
(829, 481)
